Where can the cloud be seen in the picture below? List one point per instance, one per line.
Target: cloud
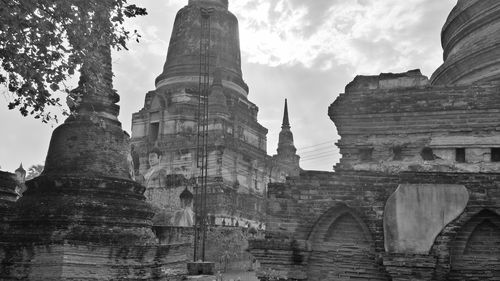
(306, 51)
(310, 50)
(365, 35)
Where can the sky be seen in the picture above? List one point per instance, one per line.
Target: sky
(305, 51)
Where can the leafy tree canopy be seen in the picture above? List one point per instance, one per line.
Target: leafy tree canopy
(43, 42)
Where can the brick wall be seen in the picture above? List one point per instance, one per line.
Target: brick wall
(305, 206)
(414, 118)
(86, 261)
(342, 247)
(7, 198)
(476, 248)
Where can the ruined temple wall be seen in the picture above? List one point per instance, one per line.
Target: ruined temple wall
(287, 211)
(387, 130)
(416, 195)
(78, 261)
(241, 143)
(242, 169)
(8, 197)
(298, 210)
(452, 261)
(245, 171)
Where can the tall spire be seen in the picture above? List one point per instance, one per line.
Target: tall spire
(285, 143)
(286, 122)
(21, 169)
(287, 153)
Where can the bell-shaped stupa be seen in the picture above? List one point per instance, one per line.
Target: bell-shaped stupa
(471, 44)
(183, 58)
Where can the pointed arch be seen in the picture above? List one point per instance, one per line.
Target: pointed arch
(342, 247)
(326, 224)
(475, 250)
(484, 239)
(347, 229)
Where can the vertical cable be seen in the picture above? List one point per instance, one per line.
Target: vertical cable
(202, 136)
(208, 37)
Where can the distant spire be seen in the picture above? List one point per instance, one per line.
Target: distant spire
(21, 169)
(287, 153)
(286, 123)
(285, 141)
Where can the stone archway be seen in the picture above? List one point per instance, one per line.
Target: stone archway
(342, 248)
(475, 252)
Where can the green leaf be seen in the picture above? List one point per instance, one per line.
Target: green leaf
(44, 41)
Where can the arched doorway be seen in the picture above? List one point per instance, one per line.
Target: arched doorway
(475, 252)
(342, 248)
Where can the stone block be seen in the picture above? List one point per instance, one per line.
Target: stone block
(416, 213)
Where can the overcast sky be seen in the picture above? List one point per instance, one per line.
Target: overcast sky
(306, 51)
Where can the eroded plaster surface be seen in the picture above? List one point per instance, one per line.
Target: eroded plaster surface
(416, 213)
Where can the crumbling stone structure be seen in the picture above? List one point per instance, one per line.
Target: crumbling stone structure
(239, 168)
(8, 197)
(84, 218)
(416, 195)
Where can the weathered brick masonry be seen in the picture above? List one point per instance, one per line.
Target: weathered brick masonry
(239, 167)
(7, 198)
(329, 226)
(416, 194)
(346, 208)
(84, 218)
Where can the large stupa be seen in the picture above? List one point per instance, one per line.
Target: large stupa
(183, 58)
(471, 43)
(204, 46)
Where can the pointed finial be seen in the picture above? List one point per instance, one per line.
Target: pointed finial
(286, 123)
(21, 178)
(21, 169)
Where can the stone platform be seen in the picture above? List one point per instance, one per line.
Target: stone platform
(78, 261)
(201, 268)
